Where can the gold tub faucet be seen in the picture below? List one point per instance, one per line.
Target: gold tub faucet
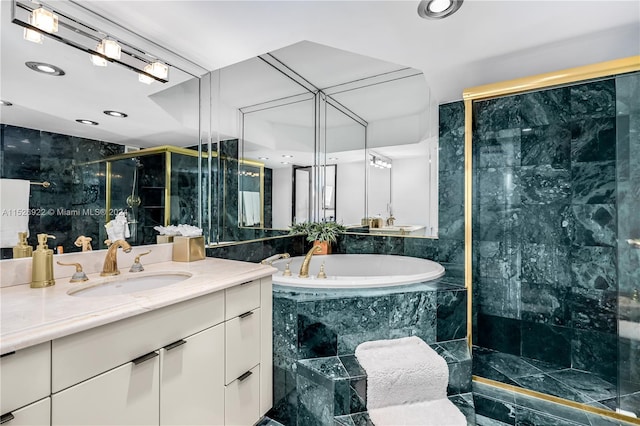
(110, 266)
(304, 269)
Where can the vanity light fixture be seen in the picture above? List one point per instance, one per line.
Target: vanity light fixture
(87, 122)
(110, 48)
(30, 35)
(5, 103)
(438, 9)
(116, 114)
(378, 161)
(45, 68)
(156, 69)
(41, 20)
(44, 20)
(96, 60)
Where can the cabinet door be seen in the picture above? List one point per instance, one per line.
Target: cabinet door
(36, 414)
(242, 399)
(127, 395)
(192, 380)
(31, 365)
(242, 344)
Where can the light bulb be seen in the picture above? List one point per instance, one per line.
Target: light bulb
(45, 20)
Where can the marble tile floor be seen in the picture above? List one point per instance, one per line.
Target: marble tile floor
(266, 421)
(464, 402)
(567, 383)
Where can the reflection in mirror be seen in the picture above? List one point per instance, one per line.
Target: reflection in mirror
(96, 170)
(304, 107)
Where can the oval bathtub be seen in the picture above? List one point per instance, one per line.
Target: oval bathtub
(358, 271)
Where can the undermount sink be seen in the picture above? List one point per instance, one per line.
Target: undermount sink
(125, 285)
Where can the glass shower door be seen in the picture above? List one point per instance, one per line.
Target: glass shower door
(628, 196)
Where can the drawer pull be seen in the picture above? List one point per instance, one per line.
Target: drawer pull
(244, 376)
(7, 354)
(175, 344)
(6, 418)
(144, 358)
(246, 314)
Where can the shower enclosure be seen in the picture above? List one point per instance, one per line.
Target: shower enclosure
(154, 186)
(555, 251)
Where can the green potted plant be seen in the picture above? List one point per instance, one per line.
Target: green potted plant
(320, 233)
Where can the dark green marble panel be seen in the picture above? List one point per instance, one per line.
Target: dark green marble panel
(547, 145)
(594, 268)
(496, 223)
(593, 100)
(498, 260)
(413, 314)
(451, 119)
(499, 297)
(450, 251)
(594, 351)
(547, 343)
(451, 315)
(424, 248)
(544, 185)
(593, 183)
(545, 304)
(593, 140)
(545, 107)
(593, 224)
(593, 310)
(451, 153)
(549, 224)
(497, 149)
(497, 114)
(546, 264)
(497, 186)
(498, 333)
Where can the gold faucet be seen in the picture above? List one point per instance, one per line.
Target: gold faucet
(304, 269)
(111, 260)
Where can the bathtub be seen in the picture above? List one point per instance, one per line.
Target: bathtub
(358, 271)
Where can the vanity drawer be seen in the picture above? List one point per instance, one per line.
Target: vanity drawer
(242, 344)
(86, 354)
(30, 366)
(36, 414)
(242, 399)
(242, 298)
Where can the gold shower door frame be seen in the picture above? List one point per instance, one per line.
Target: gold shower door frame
(513, 87)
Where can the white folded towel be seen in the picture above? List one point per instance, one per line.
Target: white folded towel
(407, 384)
(14, 210)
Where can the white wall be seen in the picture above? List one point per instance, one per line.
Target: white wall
(350, 199)
(282, 197)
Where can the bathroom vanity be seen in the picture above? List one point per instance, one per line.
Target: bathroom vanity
(198, 351)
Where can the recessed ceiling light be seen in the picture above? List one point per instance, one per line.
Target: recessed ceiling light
(115, 114)
(285, 162)
(5, 103)
(44, 68)
(87, 122)
(287, 156)
(438, 9)
(263, 158)
(333, 158)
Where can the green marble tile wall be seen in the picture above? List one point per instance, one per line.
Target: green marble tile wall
(545, 214)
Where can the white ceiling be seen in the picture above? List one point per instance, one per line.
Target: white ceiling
(486, 41)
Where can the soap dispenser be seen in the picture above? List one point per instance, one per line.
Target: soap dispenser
(22, 249)
(42, 265)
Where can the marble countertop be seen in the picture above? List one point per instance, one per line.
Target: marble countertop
(29, 316)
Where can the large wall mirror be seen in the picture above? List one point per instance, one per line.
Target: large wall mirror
(140, 164)
(325, 134)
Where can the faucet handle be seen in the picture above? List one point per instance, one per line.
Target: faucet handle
(322, 274)
(79, 275)
(287, 271)
(84, 242)
(137, 266)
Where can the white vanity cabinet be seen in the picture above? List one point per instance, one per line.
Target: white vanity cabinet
(204, 361)
(25, 385)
